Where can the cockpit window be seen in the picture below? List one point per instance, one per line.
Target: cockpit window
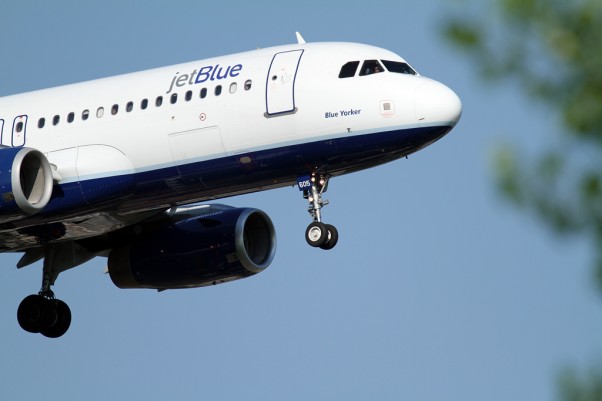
(349, 69)
(371, 67)
(396, 66)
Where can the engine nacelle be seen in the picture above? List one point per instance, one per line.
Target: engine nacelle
(25, 180)
(196, 248)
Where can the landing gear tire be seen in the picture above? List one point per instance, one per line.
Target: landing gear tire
(50, 317)
(316, 234)
(333, 237)
(34, 313)
(62, 320)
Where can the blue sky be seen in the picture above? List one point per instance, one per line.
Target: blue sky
(437, 290)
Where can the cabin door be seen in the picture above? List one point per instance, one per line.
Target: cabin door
(19, 129)
(280, 84)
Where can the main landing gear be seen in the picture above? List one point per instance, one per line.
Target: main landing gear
(318, 234)
(42, 313)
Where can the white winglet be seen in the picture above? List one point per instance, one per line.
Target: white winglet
(300, 39)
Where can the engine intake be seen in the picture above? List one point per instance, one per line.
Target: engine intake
(195, 248)
(25, 180)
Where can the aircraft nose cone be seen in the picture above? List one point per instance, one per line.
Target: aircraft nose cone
(435, 102)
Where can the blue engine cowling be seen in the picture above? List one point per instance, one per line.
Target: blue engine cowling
(195, 248)
(25, 181)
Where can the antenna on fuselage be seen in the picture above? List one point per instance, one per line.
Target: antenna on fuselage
(300, 39)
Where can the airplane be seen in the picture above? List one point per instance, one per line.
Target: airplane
(124, 167)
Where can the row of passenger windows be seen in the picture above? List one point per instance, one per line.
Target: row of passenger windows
(129, 107)
(370, 67)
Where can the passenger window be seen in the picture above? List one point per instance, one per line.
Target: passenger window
(188, 96)
(56, 119)
(218, 90)
(144, 104)
(398, 67)
(41, 122)
(233, 87)
(174, 98)
(159, 101)
(85, 114)
(203, 93)
(100, 112)
(129, 107)
(248, 84)
(115, 109)
(371, 67)
(70, 117)
(348, 70)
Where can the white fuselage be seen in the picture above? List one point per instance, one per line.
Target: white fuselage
(258, 116)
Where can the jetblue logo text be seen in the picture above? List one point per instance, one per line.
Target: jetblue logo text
(207, 73)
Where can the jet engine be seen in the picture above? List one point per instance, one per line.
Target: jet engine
(194, 248)
(25, 180)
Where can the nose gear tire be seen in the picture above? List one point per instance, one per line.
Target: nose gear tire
(333, 237)
(316, 234)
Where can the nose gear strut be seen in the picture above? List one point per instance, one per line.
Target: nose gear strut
(318, 234)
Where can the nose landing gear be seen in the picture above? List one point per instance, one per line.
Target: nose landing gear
(318, 234)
